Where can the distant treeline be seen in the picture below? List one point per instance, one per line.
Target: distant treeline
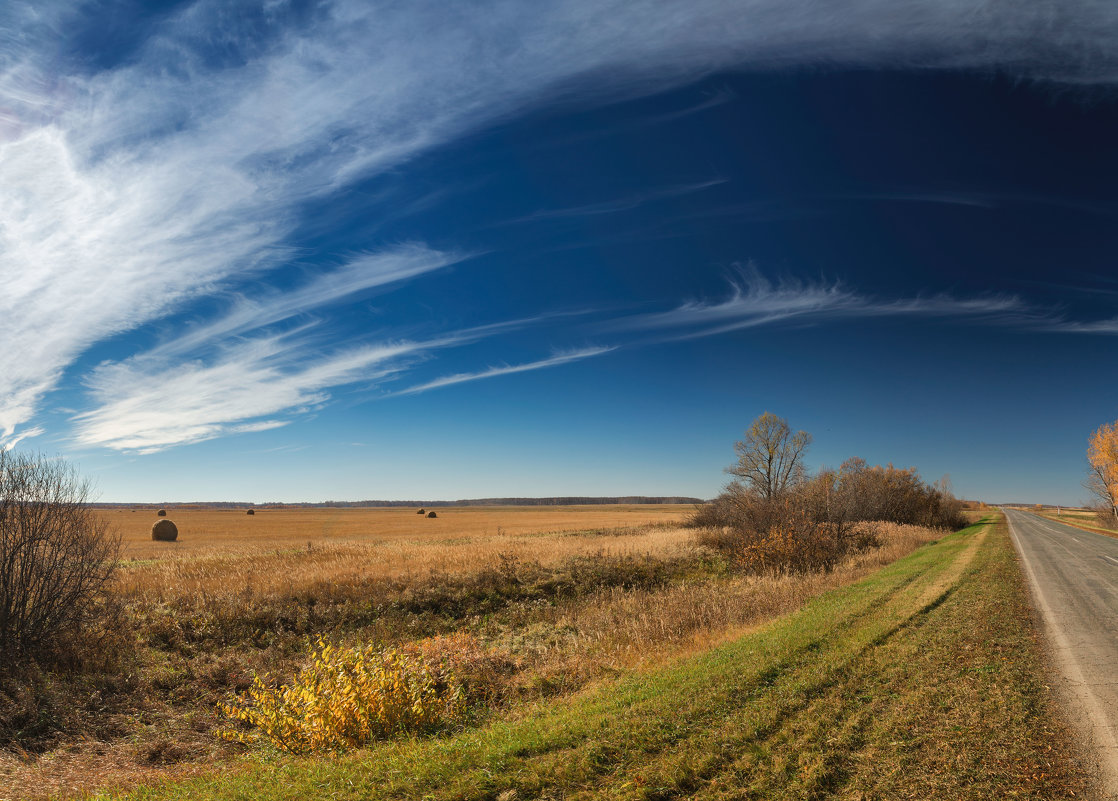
(557, 501)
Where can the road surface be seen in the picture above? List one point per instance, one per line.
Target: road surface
(1073, 576)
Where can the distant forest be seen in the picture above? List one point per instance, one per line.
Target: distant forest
(558, 501)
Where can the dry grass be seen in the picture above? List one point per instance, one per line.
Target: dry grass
(259, 570)
(922, 681)
(1085, 519)
(554, 597)
(620, 628)
(210, 532)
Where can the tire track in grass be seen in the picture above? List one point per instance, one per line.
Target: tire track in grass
(829, 734)
(670, 732)
(755, 699)
(797, 694)
(748, 687)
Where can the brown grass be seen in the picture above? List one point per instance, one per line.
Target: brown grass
(209, 532)
(1079, 518)
(550, 598)
(256, 569)
(618, 628)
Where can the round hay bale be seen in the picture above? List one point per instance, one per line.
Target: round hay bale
(432, 514)
(164, 531)
(162, 513)
(421, 512)
(250, 512)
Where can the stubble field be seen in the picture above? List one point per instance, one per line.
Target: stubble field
(530, 604)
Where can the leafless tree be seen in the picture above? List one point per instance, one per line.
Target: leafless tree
(771, 457)
(56, 555)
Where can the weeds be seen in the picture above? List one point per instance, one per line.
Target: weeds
(525, 618)
(349, 697)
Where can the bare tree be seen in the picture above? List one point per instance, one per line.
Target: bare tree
(770, 458)
(56, 555)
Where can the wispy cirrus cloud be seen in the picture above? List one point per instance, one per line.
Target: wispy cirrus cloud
(159, 399)
(756, 301)
(1062, 325)
(132, 187)
(562, 357)
(145, 410)
(619, 204)
(353, 279)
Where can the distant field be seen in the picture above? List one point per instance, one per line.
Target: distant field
(209, 531)
(924, 680)
(535, 603)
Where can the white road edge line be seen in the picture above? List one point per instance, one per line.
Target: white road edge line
(1111, 558)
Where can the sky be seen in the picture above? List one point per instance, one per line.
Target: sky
(306, 251)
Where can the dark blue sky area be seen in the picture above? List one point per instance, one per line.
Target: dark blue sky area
(311, 257)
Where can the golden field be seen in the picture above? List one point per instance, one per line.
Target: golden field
(287, 550)
(529, 602)
(211, 531)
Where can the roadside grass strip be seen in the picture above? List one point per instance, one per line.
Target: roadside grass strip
(924, 680)
(1068, 521)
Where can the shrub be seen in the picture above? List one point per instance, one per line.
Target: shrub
(797, 534)
(855, 492)
(348, 697)
(57, 555)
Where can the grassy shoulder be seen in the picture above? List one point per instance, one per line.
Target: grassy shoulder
(923, 680)
(1085, 522)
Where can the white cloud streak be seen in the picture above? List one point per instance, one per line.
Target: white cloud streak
(565, 357)
(621, 204)
(126, 193)
(755, 301)
(365, 272)
(139, 410)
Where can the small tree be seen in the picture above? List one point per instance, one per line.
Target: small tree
(770, 458)
(1102, 455)
(56, 555)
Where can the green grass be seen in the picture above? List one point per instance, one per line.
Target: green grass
(922, 681)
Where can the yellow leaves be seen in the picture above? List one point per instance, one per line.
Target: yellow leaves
(346, 698)
(1102, 453)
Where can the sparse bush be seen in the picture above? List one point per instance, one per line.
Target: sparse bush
(799, 533)
(349, 697)
(1104, 516)
(479, 671)
(57, 555)
(796, 522)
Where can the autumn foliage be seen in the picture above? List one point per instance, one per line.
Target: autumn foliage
(1102, 455)
(348, 697)
(780, 519)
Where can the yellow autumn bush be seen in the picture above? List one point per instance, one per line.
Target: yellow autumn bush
(348, 697)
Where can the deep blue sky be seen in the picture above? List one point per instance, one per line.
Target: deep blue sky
(341, 251)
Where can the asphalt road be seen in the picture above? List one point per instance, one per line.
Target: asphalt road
(1073, 576)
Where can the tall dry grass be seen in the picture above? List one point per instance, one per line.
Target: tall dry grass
(619, 628)
(210, 532)
(253, 573)
(521, 612)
